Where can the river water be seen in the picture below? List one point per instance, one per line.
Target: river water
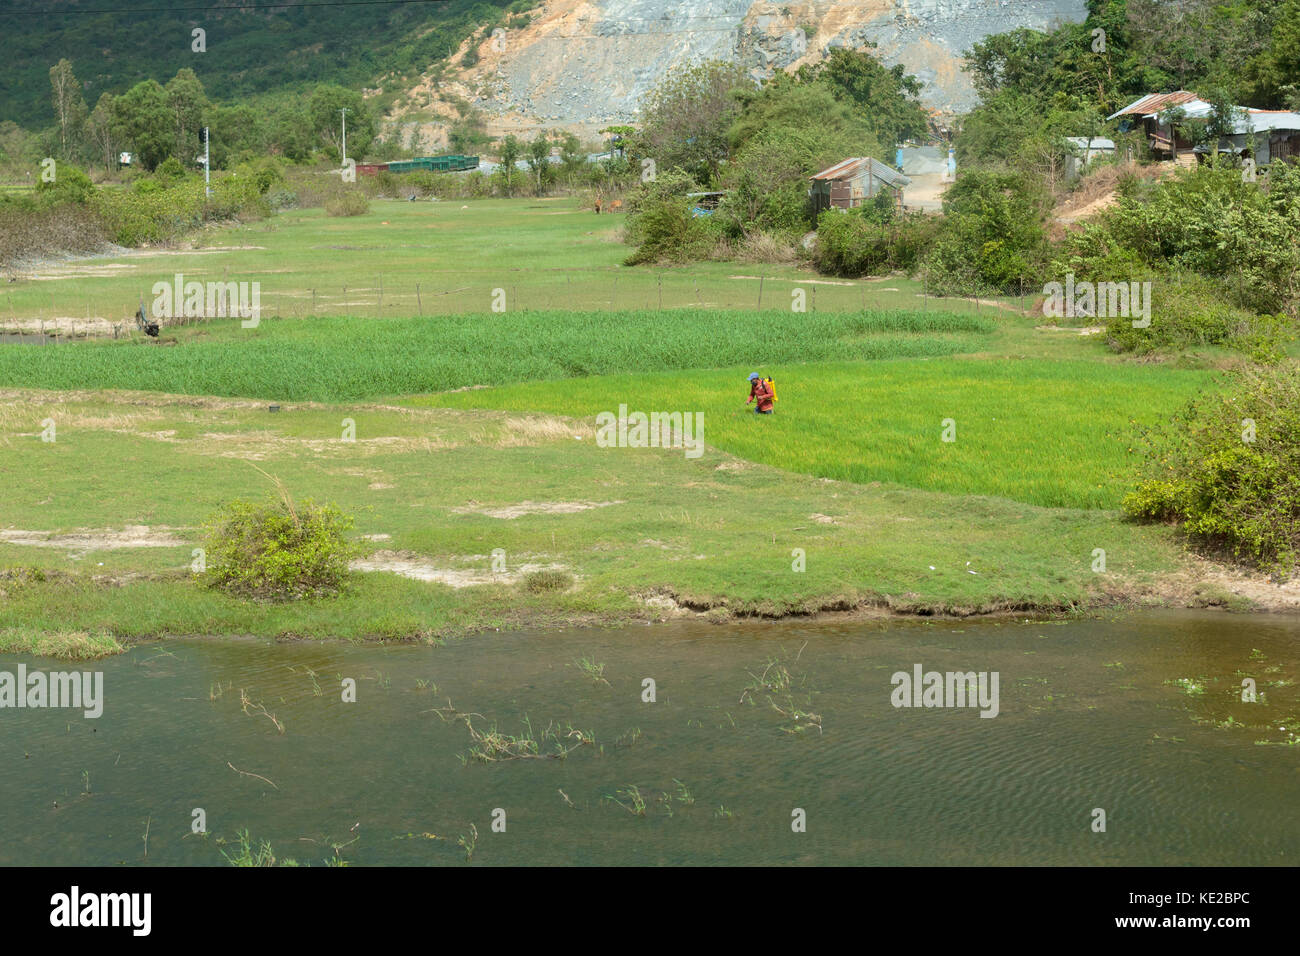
(1139, 715)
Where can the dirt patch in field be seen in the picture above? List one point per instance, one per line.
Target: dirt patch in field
(1207, 583)
(510, 512)
(532, 431)
(259, 446)
(1082, 330)
(411, 565)
(795, 281)
(84, 540)
(95, 325)
(94, 270)
(990, 302)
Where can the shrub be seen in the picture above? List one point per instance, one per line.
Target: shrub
(661, 224)
(31, 230)
(549, 580)
(992, 238)
(1228, 468)
(1209, 221)
(70, 185)
(351, 202)
(856, 244)
(139, 215)
(277, 549)
(1189, 311)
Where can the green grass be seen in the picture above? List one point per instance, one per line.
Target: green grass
(411, 259)
(58, 643)
(1047, 433)
(851, 469)
(344, 359)
(712, 531)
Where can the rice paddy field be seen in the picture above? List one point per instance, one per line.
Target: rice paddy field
(926, 455)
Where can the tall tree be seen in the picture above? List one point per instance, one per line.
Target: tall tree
(325, 110)
(188, 104)
(104, 129)
(686, 117)
(146, 122)
(887, 96)
(69, 105)
(539, 155)
(508, 152)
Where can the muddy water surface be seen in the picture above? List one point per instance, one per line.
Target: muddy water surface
(1139, 715)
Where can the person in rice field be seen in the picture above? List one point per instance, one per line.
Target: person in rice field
(761, 393)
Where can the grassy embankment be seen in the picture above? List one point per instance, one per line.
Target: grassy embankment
(852, 470)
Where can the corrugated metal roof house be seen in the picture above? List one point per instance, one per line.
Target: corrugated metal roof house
(1276, 133)
(851, 182)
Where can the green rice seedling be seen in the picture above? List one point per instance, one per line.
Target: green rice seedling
(635, 804)
(467, 842)
(1190, 687)
(246, 854)
(341, 359)
(684, 795)
(492, 745)
(592, 669)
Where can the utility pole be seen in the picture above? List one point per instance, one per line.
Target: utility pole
(344, 112)
(207, 163)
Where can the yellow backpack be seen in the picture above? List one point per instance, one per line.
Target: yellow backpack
(772, 386)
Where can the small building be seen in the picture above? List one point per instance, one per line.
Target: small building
(850, 183)
(1145, 113)
(370, 169)
(1268, 135)
(1084, 150)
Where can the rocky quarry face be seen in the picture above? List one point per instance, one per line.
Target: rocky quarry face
(588, 62)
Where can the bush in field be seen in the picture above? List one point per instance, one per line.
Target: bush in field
(660, 223)
(548, 580)
(857, 243)
(1187, 309)
(237, 197)
(1209, 221)
(32, 229)
(350, 202)
(70, 185)
(149, 215)
(768, 179)
(278, 549)
(992, 238)
(1228, 469)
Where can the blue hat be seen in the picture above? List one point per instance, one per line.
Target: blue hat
(753, 375)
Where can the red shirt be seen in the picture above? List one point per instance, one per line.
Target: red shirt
(758, 390)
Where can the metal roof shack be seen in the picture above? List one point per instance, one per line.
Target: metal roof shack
(849, 183)
(1275, 133)
(1154, 103)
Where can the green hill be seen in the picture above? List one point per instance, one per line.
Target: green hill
(251, 49)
